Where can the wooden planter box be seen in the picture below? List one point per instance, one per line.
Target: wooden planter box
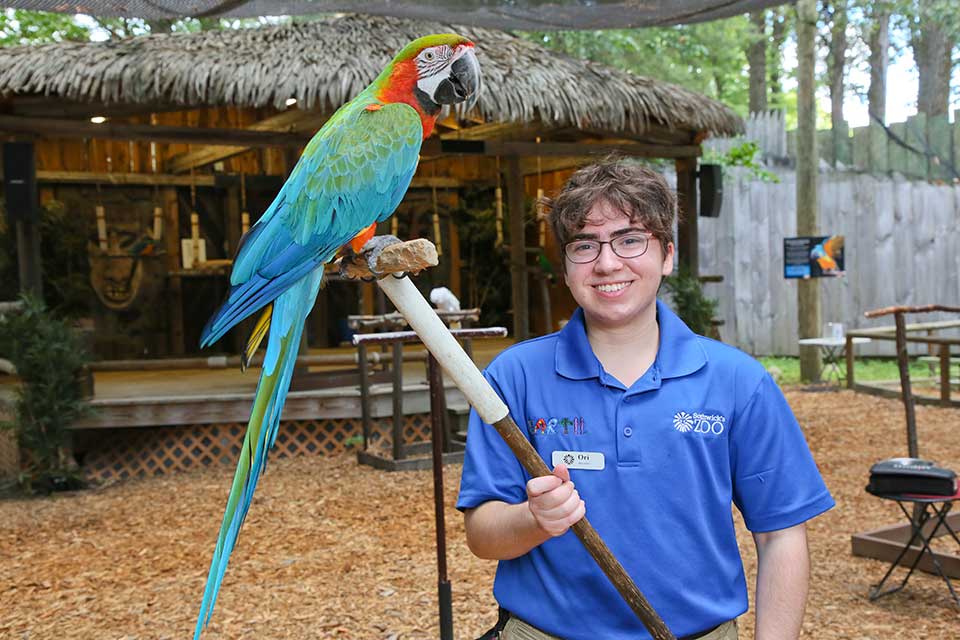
(885, 544)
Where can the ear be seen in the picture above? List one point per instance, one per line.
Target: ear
(667, 268)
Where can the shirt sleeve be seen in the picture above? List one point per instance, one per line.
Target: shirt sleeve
(490, 470)
(776, 483)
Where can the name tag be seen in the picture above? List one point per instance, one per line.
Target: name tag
(588, 460)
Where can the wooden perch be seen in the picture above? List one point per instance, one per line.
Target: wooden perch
(412, 256)
(930, 307)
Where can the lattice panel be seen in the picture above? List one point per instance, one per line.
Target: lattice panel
(416, 428)
(9, 454)
(128, 453)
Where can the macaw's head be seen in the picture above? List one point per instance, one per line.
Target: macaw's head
(434, 70)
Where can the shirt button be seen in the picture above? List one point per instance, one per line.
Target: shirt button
(627, 431)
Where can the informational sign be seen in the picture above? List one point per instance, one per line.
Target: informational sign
(813, 257)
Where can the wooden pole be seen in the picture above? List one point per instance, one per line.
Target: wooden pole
(903, 363)
(28, 257)
(808, 292)
(518, 253)
(687, 231)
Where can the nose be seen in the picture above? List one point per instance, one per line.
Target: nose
(607, 261)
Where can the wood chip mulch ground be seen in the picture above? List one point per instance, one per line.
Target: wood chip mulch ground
(335, 550)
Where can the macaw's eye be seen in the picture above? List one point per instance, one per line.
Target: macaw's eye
(429, 55)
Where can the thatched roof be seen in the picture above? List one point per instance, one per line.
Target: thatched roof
(326, 62)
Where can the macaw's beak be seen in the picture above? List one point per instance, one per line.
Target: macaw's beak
(464, 82)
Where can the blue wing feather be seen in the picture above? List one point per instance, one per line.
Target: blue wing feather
(353, 173)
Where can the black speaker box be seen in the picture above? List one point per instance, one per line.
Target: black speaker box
(711, 190)
(911, 475)
(20, 182)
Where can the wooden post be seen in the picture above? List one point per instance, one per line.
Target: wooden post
(808, 292)
(904, 365)
(518, 250)
(687, 235)
(28, 257)
(945, 375)
(234, 222)
(171, 240)
(849, 355)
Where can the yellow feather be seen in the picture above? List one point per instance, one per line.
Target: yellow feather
(256, 337)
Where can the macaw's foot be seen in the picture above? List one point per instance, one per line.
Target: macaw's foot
(373, 249)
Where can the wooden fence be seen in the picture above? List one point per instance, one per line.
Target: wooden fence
(923, 147)
(902, 248)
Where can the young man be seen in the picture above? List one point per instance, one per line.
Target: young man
(654, 431)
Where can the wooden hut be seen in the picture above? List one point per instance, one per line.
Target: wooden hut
(206, 123)
(164, 147)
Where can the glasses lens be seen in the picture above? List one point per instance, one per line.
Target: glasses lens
(581, 251)
(629, 246)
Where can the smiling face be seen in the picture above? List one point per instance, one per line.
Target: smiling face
(617, 293)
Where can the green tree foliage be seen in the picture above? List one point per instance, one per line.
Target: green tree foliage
(49, 358)
(19, 27)
(707, 57)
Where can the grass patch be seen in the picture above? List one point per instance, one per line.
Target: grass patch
(865, 369)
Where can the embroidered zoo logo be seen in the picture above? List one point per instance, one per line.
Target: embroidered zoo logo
(708, 424)
(556, 426)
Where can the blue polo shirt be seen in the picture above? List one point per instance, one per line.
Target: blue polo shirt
(704, 428)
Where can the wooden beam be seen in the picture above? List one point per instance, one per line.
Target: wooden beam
(291, 121)
(468, 146)
(590, 149)
(147, 179)
(55, 128)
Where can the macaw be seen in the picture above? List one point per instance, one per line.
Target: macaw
(826, 253)
(352, 175)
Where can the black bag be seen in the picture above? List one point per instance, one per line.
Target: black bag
(911, 475)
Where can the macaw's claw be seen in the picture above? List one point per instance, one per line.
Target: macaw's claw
(373, 249)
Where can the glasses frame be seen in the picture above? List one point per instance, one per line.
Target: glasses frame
(647, 235)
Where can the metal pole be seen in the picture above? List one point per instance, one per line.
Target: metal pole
(398, 452)
(437, 413)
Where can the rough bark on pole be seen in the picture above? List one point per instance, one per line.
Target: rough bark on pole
(492, 410)
(808, 291)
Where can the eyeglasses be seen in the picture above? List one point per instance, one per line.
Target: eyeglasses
(632, 245)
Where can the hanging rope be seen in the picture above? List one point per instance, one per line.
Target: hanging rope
(537, 209)
(101, 221)
(436, 215)
(498, 197)
(244, 213)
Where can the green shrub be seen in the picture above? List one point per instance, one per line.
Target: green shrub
(694, 308)
(49, 359)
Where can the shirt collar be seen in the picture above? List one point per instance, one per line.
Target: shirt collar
(679, 353)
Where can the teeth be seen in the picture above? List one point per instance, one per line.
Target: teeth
(610, 288)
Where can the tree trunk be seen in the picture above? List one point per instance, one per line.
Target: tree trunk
(160, 25)
(757, 60)
(778, 37)
(879, 61)
(836, 66)
(808, 292)
(932, 49)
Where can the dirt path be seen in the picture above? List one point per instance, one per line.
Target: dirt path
(334, 550)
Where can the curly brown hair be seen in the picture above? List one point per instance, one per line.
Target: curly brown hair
(639, 192)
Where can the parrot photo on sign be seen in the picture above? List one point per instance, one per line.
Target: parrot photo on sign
(353, 174)
(827, 253)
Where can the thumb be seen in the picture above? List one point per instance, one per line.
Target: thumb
(562, 472)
